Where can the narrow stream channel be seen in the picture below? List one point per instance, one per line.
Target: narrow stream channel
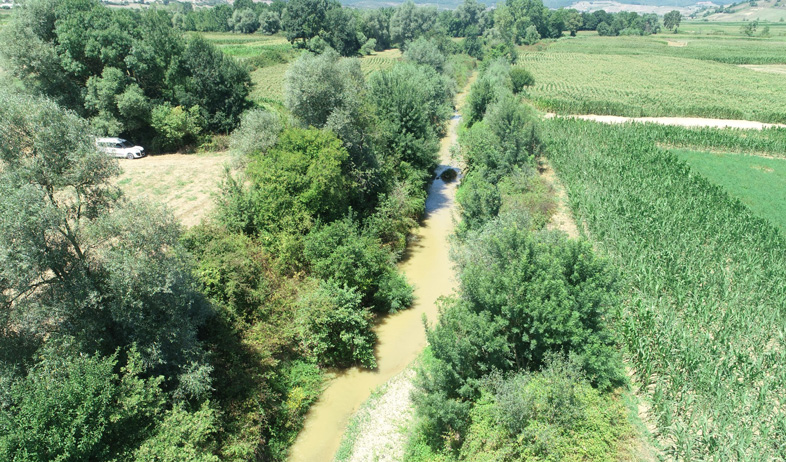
(401, 337)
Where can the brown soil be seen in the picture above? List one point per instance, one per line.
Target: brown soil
(562, 219)
(184, 183)
(768, 68)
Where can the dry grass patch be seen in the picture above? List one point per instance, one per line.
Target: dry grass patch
(184, 183)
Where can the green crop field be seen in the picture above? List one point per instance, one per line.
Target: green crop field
(5, 15)
(380, 60)
(651, 85)
(268, 84)
(759, 182)
(724, 49)
(269, 81)
(703, 322)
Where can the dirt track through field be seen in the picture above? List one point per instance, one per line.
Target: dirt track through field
(677, 121)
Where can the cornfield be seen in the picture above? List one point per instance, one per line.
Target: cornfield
(728, 50)
(269, 83)
(646, 85)
(704, 319)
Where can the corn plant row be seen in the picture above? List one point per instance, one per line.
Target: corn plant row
(728, 50)
(770, 141)
(646, 85)
(704, 319)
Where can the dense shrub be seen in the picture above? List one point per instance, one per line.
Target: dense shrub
(521, 78)
(176, 126)
(524, 296)
(335, 327)
(339, 252)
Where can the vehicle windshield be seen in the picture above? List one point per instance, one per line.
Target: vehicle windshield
(126, 144)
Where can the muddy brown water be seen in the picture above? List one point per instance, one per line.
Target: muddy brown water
(401, 336)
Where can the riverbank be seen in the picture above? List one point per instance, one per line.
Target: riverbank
(401, 336)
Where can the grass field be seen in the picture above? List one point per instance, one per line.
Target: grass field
(760, 183)
(5, 15)
(185, 183)
(651, 85)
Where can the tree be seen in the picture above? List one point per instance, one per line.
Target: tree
(342, 31)
(215, 82)
(269, 22)
(410, 22)
(422, 51)
(304, 19)
(572, 20)
(244, 21)
(114, 66)
(671, 20)
(77, 407)
(409, 100)
(521, 78)
(524, 297)
(303, 179)
(77, 262)
(327, 91)
(339, 252)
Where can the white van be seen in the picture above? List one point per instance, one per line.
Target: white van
(118, 147)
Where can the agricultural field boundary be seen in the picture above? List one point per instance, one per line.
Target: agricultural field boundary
(689, 122)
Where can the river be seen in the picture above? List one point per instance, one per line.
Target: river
(401, 336)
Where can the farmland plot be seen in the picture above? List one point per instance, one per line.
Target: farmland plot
(722, 49)
(705, 313)
(639, 86)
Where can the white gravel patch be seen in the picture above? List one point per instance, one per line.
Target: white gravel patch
(679, 121)
(382, 436)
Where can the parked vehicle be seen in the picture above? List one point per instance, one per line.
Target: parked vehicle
(118, 147)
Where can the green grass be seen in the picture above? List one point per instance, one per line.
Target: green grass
(651, 85)
(759, 182)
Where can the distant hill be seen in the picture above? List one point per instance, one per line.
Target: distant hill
(763, 10)
(640, 6)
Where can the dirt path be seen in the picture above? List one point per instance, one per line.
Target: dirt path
(563, 220)
(401, 338)
(679, 121)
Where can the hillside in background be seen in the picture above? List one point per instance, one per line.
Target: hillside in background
(764, 10)
(640, 6)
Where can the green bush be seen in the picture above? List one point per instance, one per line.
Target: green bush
(176, 126)
(552, 415)
(258, 132)
(335, 327)
(524, 296)
(339, 252)
(521, 78)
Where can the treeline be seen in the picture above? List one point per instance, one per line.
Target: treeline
(124, 338)
(522, 362)
(128, 72)
(310, 23)
(621, 23)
